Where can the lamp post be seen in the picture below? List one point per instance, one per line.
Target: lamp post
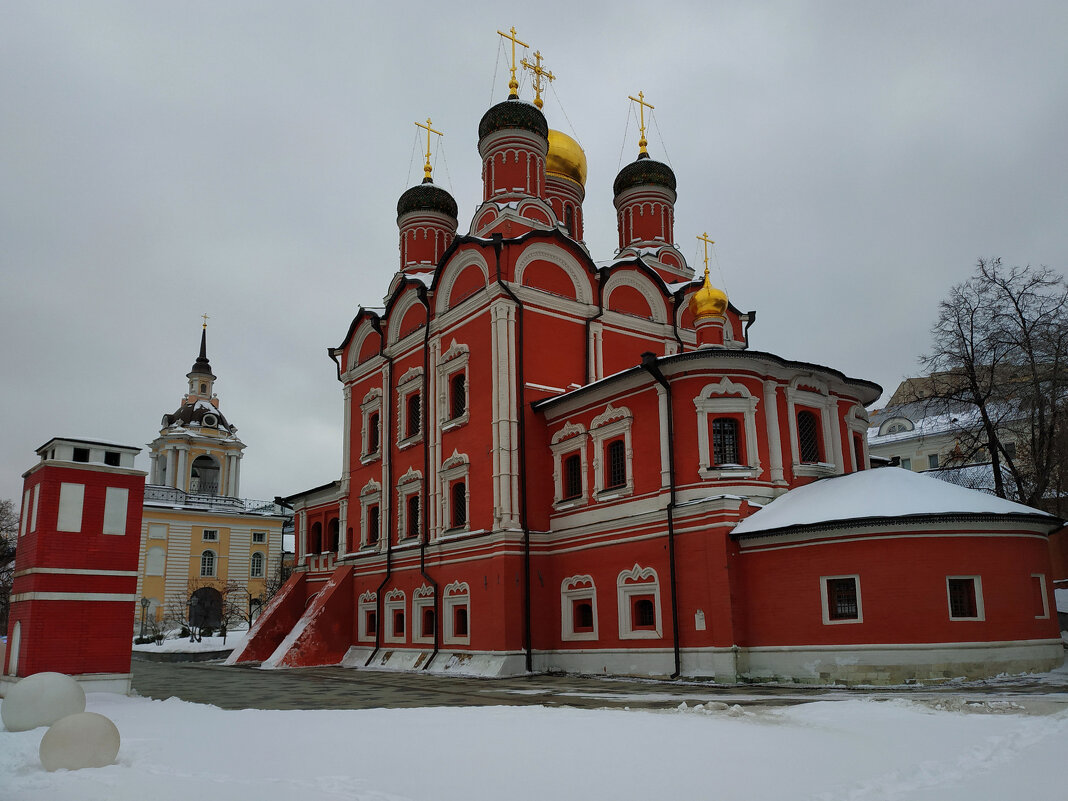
(144, 608)
(193, 602)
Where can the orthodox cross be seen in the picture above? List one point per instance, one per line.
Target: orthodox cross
(427, 169)
(205, 320)
(513, 84)
(704, 238)
(642, 106)
(539, 73)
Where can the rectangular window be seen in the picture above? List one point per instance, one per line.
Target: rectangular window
(725, 441)
(36, 504)
(414, 413)
(1041, 597)
(25, 512)
(111, 458)
(412, 512)
(372, 524)
(932, 461)
(842, 599)
(965, 598)
(906, 463)
(457, 395)
(643, 612)
(80, 455)
(572, 476)
(371, 622)
(582, 615)
(616, 456)
(71, 500)
(259, 536)
(210, 535)
(398, 623)
(808, 437)
(116, 500)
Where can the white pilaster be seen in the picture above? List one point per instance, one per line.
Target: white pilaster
(665, 453)
(771, 418)
(181, 475)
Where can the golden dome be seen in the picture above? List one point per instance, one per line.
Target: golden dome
(566, 158)
(708, 301)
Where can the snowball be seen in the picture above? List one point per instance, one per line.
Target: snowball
(81, 740)
(41, 700)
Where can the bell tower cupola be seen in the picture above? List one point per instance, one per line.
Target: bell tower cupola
(426, 217)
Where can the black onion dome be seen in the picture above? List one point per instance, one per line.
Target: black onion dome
(643, 172)
(513, 114)
(426, 197)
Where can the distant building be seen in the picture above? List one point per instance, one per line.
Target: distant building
(200, 539)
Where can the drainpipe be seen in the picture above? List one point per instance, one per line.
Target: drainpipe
(498, 244)
(650, 365)
(424, 507)
(589, 320)
(387, 488)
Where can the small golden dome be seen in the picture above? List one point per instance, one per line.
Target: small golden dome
(566, 158)
(708, 301)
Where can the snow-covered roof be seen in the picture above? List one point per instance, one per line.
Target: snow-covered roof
(883, 493)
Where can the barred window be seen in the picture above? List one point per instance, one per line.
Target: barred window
(373, 440)
(459, 504)
(572, 476)
(372, 524)
(808, 437)
(644, 613)
(414, 408)
(413, 515)
(962, 598)
(457, 395)
(617, 463)
(725, 441)
(842, 599)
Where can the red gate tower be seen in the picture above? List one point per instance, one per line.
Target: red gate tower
(75, 582)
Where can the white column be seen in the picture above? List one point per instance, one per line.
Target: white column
(343, 519)
(434, 442)
(836, 435)
(771, 417)
(505, 423)
(346, 463)
(181, 479)
(665, 453)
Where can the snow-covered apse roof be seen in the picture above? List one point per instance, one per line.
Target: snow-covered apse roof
(883, 493)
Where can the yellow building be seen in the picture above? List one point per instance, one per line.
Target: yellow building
(205, 551)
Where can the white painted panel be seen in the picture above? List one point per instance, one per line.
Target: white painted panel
(157, 531)
(36, 504)
(154, 560)
(25, 513)
(116, 500)
(71, 500)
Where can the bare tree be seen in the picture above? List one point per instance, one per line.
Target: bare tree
(9, 528)
(999, 369)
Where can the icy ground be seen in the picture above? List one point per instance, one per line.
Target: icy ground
(182, 645)
(989, 748)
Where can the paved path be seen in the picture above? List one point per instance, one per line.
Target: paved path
(343, 688)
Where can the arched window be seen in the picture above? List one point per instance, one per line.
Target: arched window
(583, 616)
(858, 452)
(569, 219)
(334, 531)
(457, 394)
(459, 504)
(207, 564)
(414, 407)
(315, 538)
(256, 565)
(413, 515)
(725, 441)
(372, 524)
(616, 454)
(459, 623)
(808, 436)
(428, 622)
(572, 476)
(644, 613)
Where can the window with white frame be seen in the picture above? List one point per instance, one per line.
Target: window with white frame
(456, 492)
(638, 598)
(367, 612)
(578, 608)
(857, 423)
(259, 537)
(423, 614)
(726, 431)
(610, 433)
(396, 619)
(210, 535)
(207, 564)
(1041, 597)
(569, 466)
(256, 565)
(815, 440)
(453, 384)
(840, 596)
(370, 514)
(457, 613)
(965, 597)
(409, 510)
(410, 407)
(371, 426)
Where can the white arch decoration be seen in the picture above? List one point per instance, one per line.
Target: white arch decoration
(451, 272)
(562, 259)
(358, 339)
(398, 312)
(631, 278)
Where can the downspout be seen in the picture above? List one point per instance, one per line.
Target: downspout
(749, 324)
(387, 489)
(498, 244)
(650, 365)
(424, 507)
(589, 321)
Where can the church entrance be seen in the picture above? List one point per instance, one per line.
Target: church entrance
(205, 608)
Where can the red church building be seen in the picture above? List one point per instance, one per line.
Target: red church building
(557, 463)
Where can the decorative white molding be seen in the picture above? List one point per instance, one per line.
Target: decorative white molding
(412, 374)
(560, 258)
(638, 581)
(370, 488)
(411, 475)
(454, 462)
(726, 397)
(639, 282)
(610, 414)
(569, 431)
(573, 590)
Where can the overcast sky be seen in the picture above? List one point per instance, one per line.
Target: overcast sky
(159, 161)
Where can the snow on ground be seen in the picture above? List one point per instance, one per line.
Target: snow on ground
(182, 644)
(855, 749)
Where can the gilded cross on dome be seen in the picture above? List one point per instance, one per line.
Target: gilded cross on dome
(513, 84)
(642, 106)
(205, 320)
(539, 73)
(704, 238)
(427, 169)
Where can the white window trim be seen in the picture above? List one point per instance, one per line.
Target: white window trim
(214, 564)
(394, 602)
(370, 495)
(410, 383)
(825, 600)
(153, 570)
(204, 535)
(453, 469)
(607, 426)
(422, 599)
(453, 360)
(716, 400)
(1045, 596)
(371, 403)
(71, 507)
(624, 593)
(980, 609)
(252, 563)
(458, 593)
(24, 519)
(260, 534)
(411, 483)
(577, 588)
(827, 407)
(36, 506)
(567, 440)
(857, 423)
(368, 602)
